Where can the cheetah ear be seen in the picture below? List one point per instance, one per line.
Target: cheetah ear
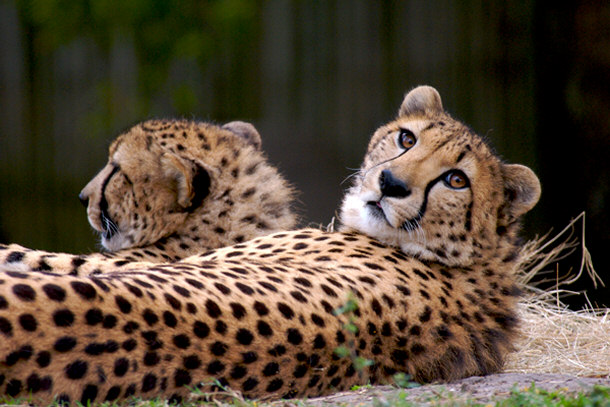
(521, 189)
(421, 100)
(246, 131)
(189, 181)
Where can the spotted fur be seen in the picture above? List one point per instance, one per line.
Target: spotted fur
(173, 188)
(260, 316)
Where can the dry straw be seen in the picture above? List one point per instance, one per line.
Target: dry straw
(554, 338)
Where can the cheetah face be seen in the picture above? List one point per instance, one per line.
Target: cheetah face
(432, 187)
(135, 199)
(157, 174)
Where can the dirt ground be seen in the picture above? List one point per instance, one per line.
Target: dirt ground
(480, 389)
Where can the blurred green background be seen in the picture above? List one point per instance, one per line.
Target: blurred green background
(316, 78)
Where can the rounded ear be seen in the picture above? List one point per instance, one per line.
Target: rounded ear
(246, 131)
(189, 180)
(521, 189)
(420, 100)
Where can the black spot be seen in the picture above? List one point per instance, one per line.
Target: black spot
(286, 311)
(6, 327)
(120, 367)
(130, 390)
(328, 291)
(151, 358)
(277, 350)
(169, 319)
(94, 349)
(3, 302)
(218, 348)
(43, 359)
(249, 357)
(149, 382)
(244, 288)
(316, 319)
(264, 329)
(417, 349)
(250, 384)
(275, 385)
(313, 381)
(113, 393)
(400, 356)
(222, 288)
(319, 342)
(94, 316)
(376, 307)
(182, 341)
(123, 304)
(238, 310)
(300, 370)
(28, 322)
(425, 315)
(191, 362)
(14, 257)
(63, 317)
(244, 336)
(238, 372)
(24, 292)
(85, 290)
(64, 344)
(298, 296)
(215, 367)
(54, 292)
(294, 336)
(129, 345)
(201, 329)
(150, 317)
(220, 327)
(13, 387)
(260, 308)
(271, 369)
(173, 302)
(109, 321)
(182, 291)
(130, 327)
(213, 309)
(76, 370)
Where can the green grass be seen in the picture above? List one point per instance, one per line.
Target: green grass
(598, 396)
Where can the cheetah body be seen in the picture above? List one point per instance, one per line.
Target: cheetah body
(260, 316)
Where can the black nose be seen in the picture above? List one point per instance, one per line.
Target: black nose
(83, 199)
(392, 187)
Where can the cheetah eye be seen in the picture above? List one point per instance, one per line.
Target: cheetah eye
(406, 139)
(456, 179)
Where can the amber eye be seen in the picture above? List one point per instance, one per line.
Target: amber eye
(456, 179)
(406, 139)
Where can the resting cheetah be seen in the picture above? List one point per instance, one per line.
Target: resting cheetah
(428, 249)
(171, 189)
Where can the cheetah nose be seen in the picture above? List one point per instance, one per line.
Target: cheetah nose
(391, 186)
(84, 199)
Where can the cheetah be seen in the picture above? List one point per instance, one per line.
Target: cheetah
(171, 189)
(427, 249)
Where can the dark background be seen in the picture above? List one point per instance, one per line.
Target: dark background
(316, 78)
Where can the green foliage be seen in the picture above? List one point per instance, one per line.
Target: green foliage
(533, 396)
(163, 33)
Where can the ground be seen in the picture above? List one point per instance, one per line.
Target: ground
(480, 389)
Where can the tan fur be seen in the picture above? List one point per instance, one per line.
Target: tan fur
(260, 316)
(162, 166)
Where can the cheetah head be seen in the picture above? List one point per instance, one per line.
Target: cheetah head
(432, 187)
(167, 177)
